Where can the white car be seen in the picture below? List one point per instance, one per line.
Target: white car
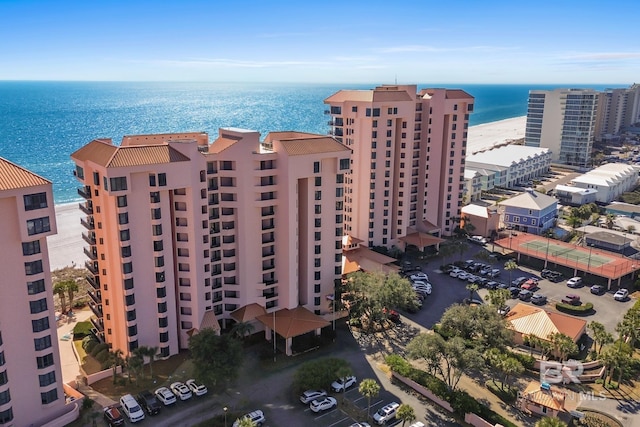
(197, 389)
(323, 404)
(343, 384)
(455, 272)
(181, 390)
(256, 416)
(360, 424)
(463, 276)
(417, 424)
(386, 413)
(311, 395)
(131, 409)
(419, 276)
(574, 282)
(494, 273)
(423, 288)
(621, 295)
(165, 396)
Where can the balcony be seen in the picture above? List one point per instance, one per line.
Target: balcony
(86, 207)
(94, 281)
(92, 254)
(96, 308)
(88, 223)
(269, 294)
(97, 323)
(92, 267)
(85, 192)
(90, 238)
(95, 296)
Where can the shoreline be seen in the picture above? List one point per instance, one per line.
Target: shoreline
(65, 247)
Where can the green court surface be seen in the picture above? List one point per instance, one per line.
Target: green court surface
(561, 251)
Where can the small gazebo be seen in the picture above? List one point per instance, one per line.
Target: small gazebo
(291, 323)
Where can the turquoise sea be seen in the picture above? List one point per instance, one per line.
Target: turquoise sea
(42, 123)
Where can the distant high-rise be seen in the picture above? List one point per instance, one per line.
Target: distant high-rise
(564, 121)
(181, 232)
(407, 167)
(617, 109)
(31, 391)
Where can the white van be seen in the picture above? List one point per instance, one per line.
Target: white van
(131, 408)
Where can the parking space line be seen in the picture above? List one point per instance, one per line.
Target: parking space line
(326, 413)
(358, 399)
(338, 422)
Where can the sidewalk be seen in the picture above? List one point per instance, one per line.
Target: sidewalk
(68, 361)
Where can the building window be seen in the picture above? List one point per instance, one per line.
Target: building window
(161, 292)
(47, 379)
(156, 229)
(317, 236)
(122, 201)
(129, 300)
(133, 345)
(42, 343)
(163, 322)
(45, 361)
(152, 180)
(124, 235)
(164, 336)
(160, 277)
(125, 251)
(162, 307)
(38, 225)
(35, 201)
(316, 275)
(38, 306)
(162, 179)
(127, 268)
(118, 184)
(5, 397)
(34, 267)
(132, 331)
(159, 261)
(123, 218)
(344, 164)
(128, 284)
(49, 396)
(31, 248)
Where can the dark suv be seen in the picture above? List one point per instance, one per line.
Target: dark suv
(148, 402)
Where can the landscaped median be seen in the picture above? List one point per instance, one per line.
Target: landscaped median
(577, 310)
(456, 401)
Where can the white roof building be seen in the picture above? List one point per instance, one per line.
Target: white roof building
(575, 196)
(521, 163)
(609, 180)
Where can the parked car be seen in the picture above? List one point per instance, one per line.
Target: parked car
(514, 291)
(518, 281)
(311, 395)
(502, 311)
(148, 402)
(574, 282)
(530, 285)
(621, 295)
(131, 409)
(448, 268)
(323, 404)
(555, 277)
(256, 416)
(472, 301)
(113, 415)
(538, 299)
(472, 278)
(491, 285)
(386, 413)
(463, 275)
(454, 272)
(419, 276)
(525, 295)
(341, 384)
(572, 299)
(165, 396)
(479, 240)
(181, 390)
(597, 289)
(197, 389)
(426, 288)
(495, 272)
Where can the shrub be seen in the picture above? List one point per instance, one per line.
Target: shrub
(90, 345)
(102, 356)
(611, 385)
(577, 310)
(98, 348)
(81, 330)
(527, 360)
(86, 341)
(318, 374)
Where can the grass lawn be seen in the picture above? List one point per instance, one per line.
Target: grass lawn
(176, 368)
(89, 364)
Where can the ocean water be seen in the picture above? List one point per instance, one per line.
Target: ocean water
(42, 123)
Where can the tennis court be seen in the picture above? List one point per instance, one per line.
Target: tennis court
(590, 260)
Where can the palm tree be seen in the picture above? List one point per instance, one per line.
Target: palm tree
(115, 359)
(242, 329)
(405, 413)
(497, 297)
(610, 221)
(150, 352)
(245, 422)
(551, 422)
(135, 363)
(369, 388)
(600, 336)
(343, 372)
(574, 221)
(72, 288)
(510, 266)
(471, 287)
(60, 289)
(138, 361)
(534, 341)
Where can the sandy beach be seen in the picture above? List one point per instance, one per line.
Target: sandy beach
(65, 248)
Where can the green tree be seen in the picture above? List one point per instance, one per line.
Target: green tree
(369, 388)
(472, 288)
(498, 297)
(562, 344)
(72, 288)
(550, 422)
(510, 266)
(60, 289)
(610, 221)
(533, 342)
(216, 358)
(616, 357)
(135, 364)
(115, 360)
(600, 336)
(629, 327)
(317, 374)
(242, 329)
(405, 413)
(574, 221)
(507, 365)
(481, 326)
(245, 422)
(467, 225)
(150, 352)
(447, 359)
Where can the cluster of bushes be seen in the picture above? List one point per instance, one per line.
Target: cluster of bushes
(577, 310)
(81, 330)
(526, 360)
(97, 350)
(461, 401)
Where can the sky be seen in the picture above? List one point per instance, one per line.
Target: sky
(306, 41)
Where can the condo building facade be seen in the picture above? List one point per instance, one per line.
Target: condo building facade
(407, 168)
(31, 390)
(563, 120)
(182, 232)
(618, 109)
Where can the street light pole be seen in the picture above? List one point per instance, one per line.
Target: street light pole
(225, 415)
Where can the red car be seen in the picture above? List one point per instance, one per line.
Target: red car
(530, 285)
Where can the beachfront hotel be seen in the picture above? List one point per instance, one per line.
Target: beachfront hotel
(183, 234)
(563, 120)
(31, 390)
(618, 110)
(407, 168)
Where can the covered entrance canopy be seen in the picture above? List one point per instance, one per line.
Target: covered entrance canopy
(248, 312)
(420, 240)
(291, 323)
